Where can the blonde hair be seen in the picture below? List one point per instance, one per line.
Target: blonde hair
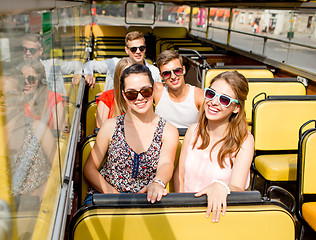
(120, 105)
(237, 129)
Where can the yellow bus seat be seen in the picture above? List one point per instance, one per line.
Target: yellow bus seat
(70, 89)
(84, 151)
(247, 71)
(180, 216)
(275, 126)
(182, 131)
(85, 32)
(162, 33)
(162, 43)
(90, 116)
(108, 31)
(309, 214)
(98, 88)
(143, 29)
(170, 32)
(109, 53)
(306, 205)
(69, 113)
(271, 86)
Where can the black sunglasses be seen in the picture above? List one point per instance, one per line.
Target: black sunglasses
(134, 49)
(167, 74)
(31, 79)
(133, 94)
(31, 50)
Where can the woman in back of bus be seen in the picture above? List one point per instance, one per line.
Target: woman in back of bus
(141, 146)
(111, 103)
(217, 151)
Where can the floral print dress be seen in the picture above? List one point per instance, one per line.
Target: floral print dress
(126, 170)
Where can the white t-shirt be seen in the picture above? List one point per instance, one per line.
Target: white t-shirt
(107, 66)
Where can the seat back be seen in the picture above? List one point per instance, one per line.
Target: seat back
(85, 149)
(99, 86)
(180, 216)
(306, 162)
(306, 166)
(90, 116)
(271, 86)
(247, 71)
(164, 33)
(277, 120)
(142, 29)
(108, 31)
(170, 32)
(71, 90)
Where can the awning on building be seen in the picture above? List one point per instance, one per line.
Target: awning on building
(180, 9)
(227, 14)
(213, 12)
(220, 13)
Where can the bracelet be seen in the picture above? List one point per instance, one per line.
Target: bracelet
(156, 180)
(224, 184)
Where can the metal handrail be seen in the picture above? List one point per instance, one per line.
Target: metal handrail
(261, 36)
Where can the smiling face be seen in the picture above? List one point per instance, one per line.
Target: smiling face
(30, 78)
(213, 109)
(138, 82)
(175, 81)
(139, 55)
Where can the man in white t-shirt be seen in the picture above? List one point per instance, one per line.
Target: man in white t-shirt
(135, 47)
(177, 102)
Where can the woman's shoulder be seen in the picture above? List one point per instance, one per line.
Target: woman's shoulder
(108, 127)
(248, 143)
(249, 138)
(192, 129)
(170, 130)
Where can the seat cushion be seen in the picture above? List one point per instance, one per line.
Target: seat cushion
(277, 167)
(309, 214)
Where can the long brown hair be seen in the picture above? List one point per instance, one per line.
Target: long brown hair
(237, 129)
(39, 106)
(120, 105)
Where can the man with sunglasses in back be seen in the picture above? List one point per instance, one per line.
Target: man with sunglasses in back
(54, 68)
(176, 101)
(135, 47)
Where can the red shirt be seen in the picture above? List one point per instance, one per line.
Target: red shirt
(107, 98)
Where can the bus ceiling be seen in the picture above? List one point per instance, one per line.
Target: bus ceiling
(17, 5)
(271, 4)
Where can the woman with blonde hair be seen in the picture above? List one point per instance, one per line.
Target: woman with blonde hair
(217, 151)
(111, 102)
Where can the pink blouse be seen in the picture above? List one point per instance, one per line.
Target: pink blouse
(200, 171)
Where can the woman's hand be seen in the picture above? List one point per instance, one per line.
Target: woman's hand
(154, 192)
(216, 200)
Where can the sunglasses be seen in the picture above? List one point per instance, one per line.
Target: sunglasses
(133, 94)
(134, 49)
(224, 100)
(167, 74)
(31, 79)
(31, 50)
